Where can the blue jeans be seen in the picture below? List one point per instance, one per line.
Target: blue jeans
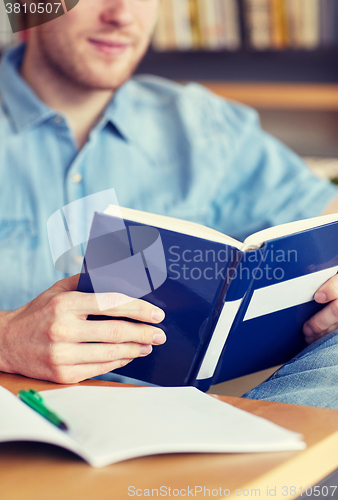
(310, 378)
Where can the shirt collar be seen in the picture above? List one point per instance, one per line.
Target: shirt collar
(131, 103)
(24, 107)
(121, 111)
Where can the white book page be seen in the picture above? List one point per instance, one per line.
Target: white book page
(253, 241)
(257, 239)
(172, 224)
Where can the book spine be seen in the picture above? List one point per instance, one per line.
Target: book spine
(258, 20)
(229, 15)
(294, 19)
(182, 23)
(208, 24)
(241, 288)
(304, 23)
(335, 21)
(311, 24)
(242, 20)
(164, 36)
(279, 32)
(195, 24)
(225, 312)
(160, 38)
(327, 23)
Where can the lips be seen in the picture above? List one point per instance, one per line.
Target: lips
(109, 47)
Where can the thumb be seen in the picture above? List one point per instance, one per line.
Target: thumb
(67, 284)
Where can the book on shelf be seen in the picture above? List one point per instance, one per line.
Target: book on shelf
(256, 24)
(231, 308)
(279, 26)
(310, 33)
(195, 24)
(327, 22)
(104, 423)
(229, 14)
(209, 24)
(164, 36)
(182, 24)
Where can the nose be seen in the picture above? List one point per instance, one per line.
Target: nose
(117, 13)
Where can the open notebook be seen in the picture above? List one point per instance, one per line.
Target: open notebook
(107, 424)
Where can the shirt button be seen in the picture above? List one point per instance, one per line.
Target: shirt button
(58, 119)
(77, 178)
(78, 259)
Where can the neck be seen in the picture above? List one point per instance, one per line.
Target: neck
(81, 106)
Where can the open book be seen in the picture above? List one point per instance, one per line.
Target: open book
(110, 424)
(231, 308)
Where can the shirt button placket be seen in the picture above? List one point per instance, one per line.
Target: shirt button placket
(75, 191)
(77, 178)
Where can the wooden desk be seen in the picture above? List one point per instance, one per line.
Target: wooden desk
(42, 472)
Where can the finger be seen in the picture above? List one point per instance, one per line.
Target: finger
(116, 304)
(328, 291)
(75, 354)
(117, 332)
(111, 331)
(325, 321)
(77, 373)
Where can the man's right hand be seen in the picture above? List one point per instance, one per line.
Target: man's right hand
(50, 339)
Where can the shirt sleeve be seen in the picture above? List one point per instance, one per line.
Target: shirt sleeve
(270, 184)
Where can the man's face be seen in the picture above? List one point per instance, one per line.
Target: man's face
(99, 43)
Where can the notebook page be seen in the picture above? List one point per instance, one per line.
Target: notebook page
(19, 422)
(113, 424)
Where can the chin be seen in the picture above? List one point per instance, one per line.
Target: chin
(96, 82)
(108, 78)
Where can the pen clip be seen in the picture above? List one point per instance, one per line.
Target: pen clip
(35, 395)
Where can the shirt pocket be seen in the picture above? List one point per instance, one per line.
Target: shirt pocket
(18, 239)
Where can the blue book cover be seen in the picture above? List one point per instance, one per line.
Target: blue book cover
(231, 308)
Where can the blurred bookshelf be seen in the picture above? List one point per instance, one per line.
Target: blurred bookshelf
(278, 56)
(235, 45)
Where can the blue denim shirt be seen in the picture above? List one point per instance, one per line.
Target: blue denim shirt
(164, 148)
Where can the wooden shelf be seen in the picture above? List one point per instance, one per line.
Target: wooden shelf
(279, 95)
(318, 67)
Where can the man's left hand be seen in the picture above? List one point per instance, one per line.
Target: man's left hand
(326, 320)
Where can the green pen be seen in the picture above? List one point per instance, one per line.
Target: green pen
(35, 401)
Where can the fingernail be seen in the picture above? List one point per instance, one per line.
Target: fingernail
(158, 314)
(159, 338)
(145, 349)
(320, 297)
(308, 332)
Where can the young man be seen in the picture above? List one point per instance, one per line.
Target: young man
(73, 123)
